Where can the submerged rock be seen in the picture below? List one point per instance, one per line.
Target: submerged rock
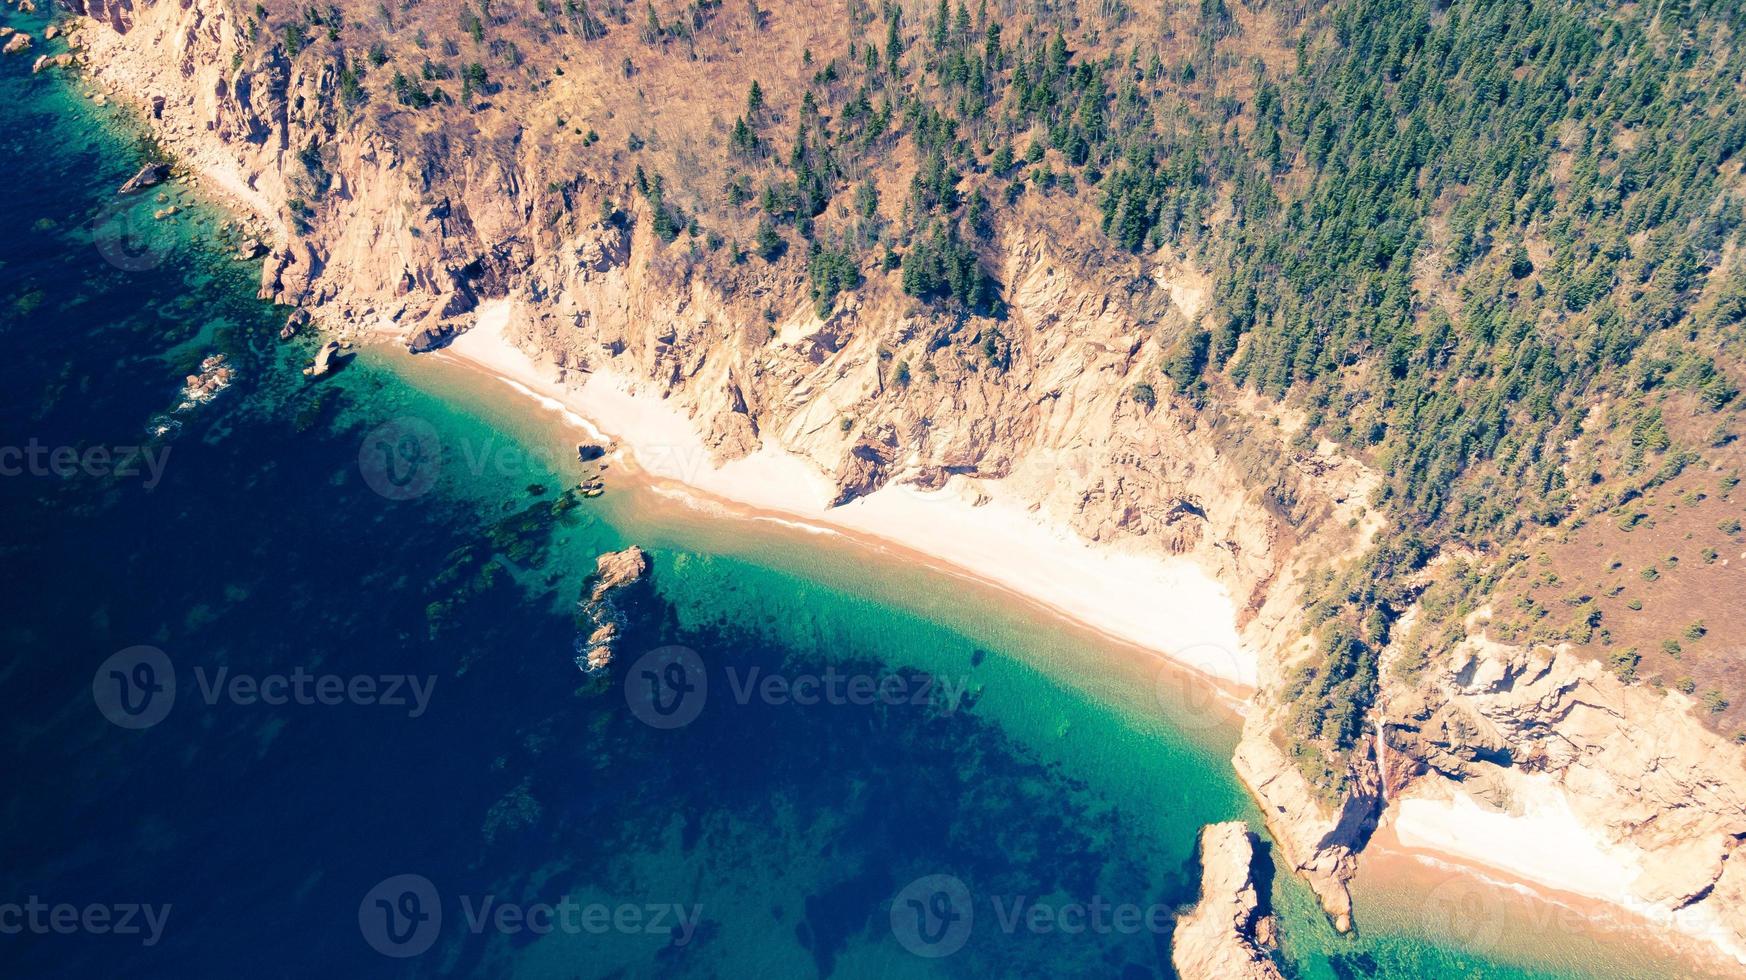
(588, 452)
(1221, 938)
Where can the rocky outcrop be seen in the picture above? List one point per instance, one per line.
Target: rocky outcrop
(16, 43)
(614, 572)
(150, 175)
(1650, 783)
(1318, 842)
(326, 359)
(1222, 938)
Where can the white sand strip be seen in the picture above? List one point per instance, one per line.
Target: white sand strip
(1543, 841)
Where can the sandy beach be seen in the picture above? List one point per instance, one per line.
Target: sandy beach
(1542, 844)
(1163, 604)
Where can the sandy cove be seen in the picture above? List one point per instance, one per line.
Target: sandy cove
(1543, 845)
(1166, 605)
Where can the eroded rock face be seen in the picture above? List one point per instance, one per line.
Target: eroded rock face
(1320, 844)
(1218, 940)
(1639, 771)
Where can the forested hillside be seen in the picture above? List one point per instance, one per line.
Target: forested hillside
(1491, 247)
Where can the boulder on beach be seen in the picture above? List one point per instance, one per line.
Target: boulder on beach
(150, 175)
(431, 336)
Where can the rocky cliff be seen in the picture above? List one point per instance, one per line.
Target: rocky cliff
(1661, 799)
(399, 227)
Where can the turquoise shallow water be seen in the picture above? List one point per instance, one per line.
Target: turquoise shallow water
(889, 773)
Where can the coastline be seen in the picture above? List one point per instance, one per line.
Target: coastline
(970, 530)
(1475, 897)
(1528, 855)
(996, 541)
(1541, 847)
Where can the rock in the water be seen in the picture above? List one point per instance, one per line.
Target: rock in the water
(1217, 941)
(613, 571)
(293, 323)
(150, 175)
(19, 42)
(51, 32)
(326, 360)
(251, 249)
(588, 452)
(617, 569)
